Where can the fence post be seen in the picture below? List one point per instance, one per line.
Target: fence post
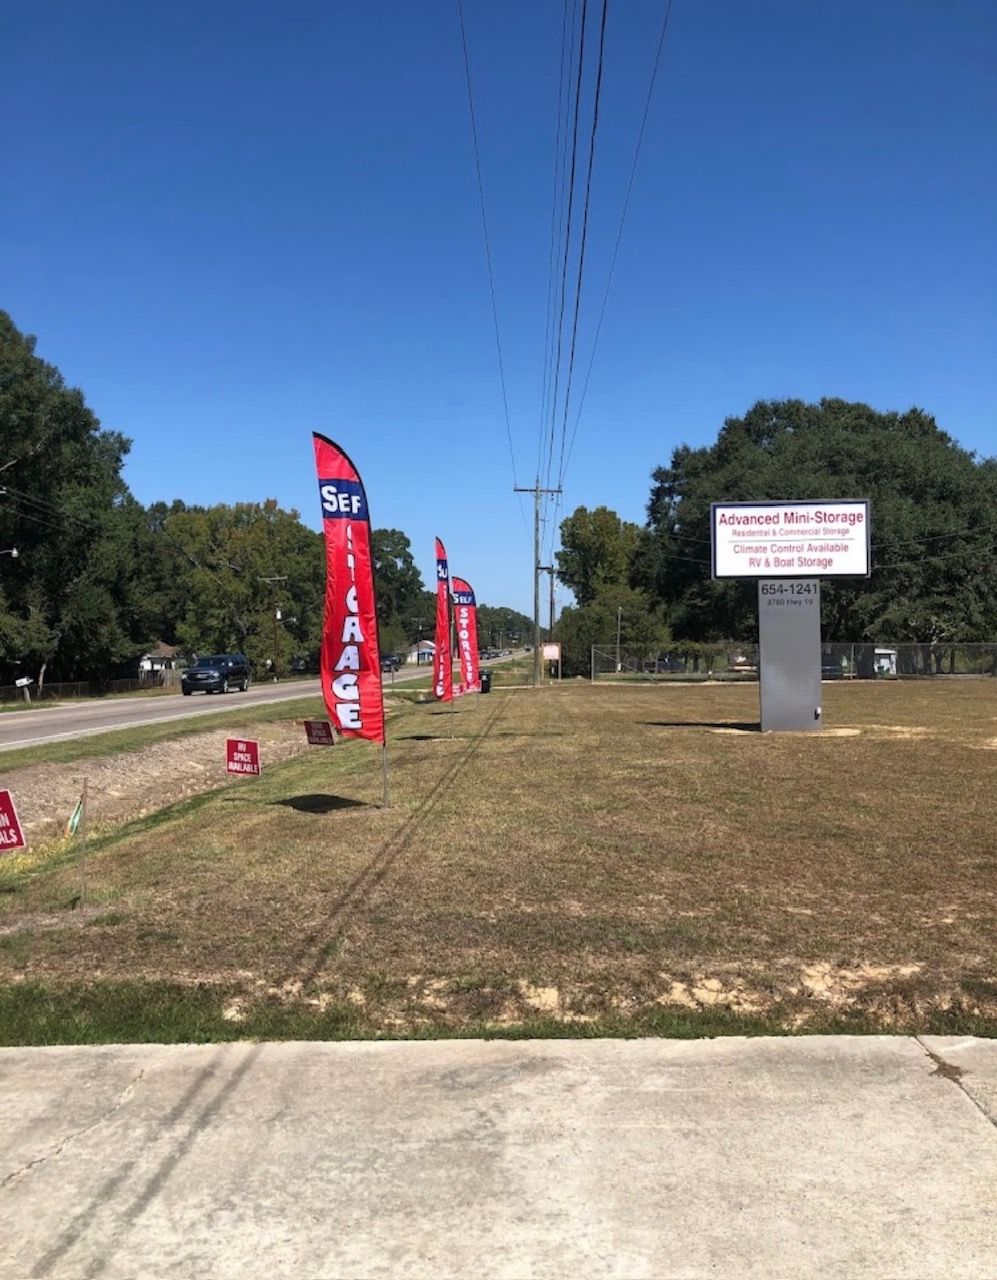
(592, 665)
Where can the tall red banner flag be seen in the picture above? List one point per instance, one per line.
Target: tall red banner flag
(466, 617)
(350, 661)
(442, 662)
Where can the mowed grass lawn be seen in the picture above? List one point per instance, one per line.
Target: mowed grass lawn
(578, 860)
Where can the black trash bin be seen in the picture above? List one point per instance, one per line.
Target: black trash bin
(486, 681)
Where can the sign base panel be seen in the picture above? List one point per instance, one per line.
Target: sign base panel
(789, 654)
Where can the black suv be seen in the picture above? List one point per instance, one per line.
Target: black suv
(219, 673)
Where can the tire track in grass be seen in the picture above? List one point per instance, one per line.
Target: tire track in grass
(316, 947)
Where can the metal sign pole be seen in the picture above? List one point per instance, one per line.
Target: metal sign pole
(83, 846)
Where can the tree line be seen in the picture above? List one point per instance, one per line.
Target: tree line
(99, 578)
(934, 530)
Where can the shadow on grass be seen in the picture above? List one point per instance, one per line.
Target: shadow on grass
(319, 803)
(742, 726)
(505, 733)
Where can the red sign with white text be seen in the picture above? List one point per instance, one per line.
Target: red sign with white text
(12, 836)
(320, 733)
(242, 756)
(465, 611)
(442, 661)
(350, 661)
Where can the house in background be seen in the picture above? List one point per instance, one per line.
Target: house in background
(420, 654)
(161, 658)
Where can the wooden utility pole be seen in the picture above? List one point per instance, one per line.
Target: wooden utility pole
(549, 570)
(536, 490)
(277, 577)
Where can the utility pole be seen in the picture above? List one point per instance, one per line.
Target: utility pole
(549, 569)
(536, 491)
(276, 615)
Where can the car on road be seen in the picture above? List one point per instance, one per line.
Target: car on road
(390, 662)
(218, 673)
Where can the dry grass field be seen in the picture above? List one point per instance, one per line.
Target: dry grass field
(573, 861)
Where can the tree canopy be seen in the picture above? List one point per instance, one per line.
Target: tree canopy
(99, 578)
(934, 516)
(70, 598)
(596, 550)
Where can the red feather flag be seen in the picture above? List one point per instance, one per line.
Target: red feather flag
(350, 661)
(442, 662)
(466, 617)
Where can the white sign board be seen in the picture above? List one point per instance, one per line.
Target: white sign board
(790, 539)
(551, 653)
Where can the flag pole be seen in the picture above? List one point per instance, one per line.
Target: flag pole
(83, 846)
(384, 765)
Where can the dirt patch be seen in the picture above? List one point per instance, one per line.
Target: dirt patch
(40, 921)
(135, 783)
(901, 730)
(842, 986)
(705, 993)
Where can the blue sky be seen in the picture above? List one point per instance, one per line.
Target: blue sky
(231, 223)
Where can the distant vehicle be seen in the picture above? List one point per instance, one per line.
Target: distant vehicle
(390, 662)
(667, 662)
(220, 673)
(504, 653)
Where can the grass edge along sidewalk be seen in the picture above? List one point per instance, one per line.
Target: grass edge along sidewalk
(37, 1013)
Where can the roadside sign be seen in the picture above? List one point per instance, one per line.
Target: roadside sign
(12, 836)
(242, 756)
(551, 653)
(320, 733)
(790, 539)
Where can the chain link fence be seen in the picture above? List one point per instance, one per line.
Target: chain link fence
(731, 660)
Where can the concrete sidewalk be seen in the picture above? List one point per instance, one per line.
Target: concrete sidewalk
(810, 1157)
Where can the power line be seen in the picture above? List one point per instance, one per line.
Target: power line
(488, 250)
(567, 240)
(623, 218)
(20, 514)
(556, 217)
(584, 235)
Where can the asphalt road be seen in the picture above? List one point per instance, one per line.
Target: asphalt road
(80, 719)
(762, 1159)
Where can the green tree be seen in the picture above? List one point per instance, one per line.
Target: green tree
(502, 627)
(642, 629)
(398, 589)
(72, 599)
(934, 511)
(239, 565)
(597, 548)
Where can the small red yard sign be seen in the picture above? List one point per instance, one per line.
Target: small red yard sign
(11, 836)
(320, 733)
(242, 756)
